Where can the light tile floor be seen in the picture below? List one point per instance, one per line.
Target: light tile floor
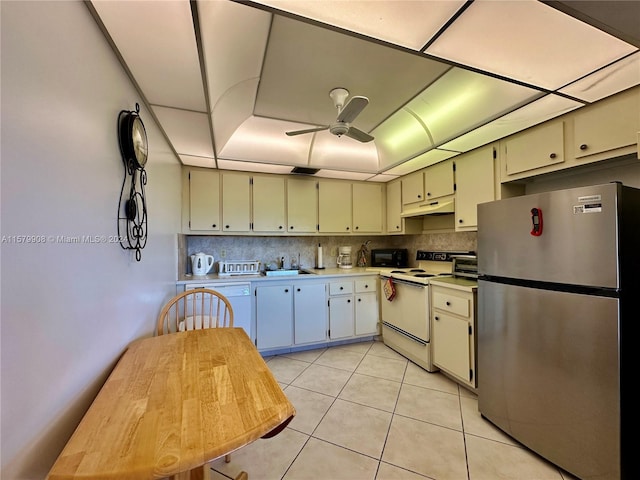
(366, 412)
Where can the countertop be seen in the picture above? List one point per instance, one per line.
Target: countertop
(314, 273)
(459, 283)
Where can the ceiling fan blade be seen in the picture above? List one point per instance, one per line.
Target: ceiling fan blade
(309, 130)
(358, 135)
(352, 109)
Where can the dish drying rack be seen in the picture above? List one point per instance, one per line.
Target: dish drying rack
(239, 267)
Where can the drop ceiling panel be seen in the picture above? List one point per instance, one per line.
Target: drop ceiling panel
(253, 167)
(232, 110)
(234, 38)
(188, 131)
(408, 23)
(621, 75)
(157, 42)
(344, 153)
(528, 41)
(304, 62)
(421, 161)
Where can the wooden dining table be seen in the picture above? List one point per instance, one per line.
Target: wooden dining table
(172, 404)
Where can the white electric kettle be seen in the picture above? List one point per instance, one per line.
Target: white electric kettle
(201, 263)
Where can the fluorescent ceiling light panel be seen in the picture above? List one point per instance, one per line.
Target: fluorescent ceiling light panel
(263, 140)
(157, 43)
(382, 177)
(461, 100)
(329, 151)
(546, 108)
(253, 167)
(421, 161)
(188, 131)
(528, 41)
(613, 79)
(401, 137)
(408, 23)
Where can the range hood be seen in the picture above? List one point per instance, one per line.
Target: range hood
(437, 207)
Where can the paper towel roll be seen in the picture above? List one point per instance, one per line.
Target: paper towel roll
(319, 256)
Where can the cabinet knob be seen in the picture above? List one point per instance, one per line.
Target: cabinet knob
(298, 290)
(357, 227)
(460, 220)
(291, 227)
(583, 146)
(359, 299)
(552, 155)
(341, 288)
(448, 304)
(214, 225)
(428, 194)
(349, 301)
(347, 228)
(419, 196)
(226, 226)
(436, 318)
(280, 227)
(366, 286)
(286, 290)
(397, 227)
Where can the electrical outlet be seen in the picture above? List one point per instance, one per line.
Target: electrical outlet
(223, 254)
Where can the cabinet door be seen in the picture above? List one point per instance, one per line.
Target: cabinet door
(394, 206)
(236, 202)
(438, 180)
(535, 148)
(302, 205)
(274, 316)
(607, 126)
(367, 208)
(366, 314)
(413, 188)
(310, 312)
(341, 317)
(475, 183)
(204, 200)
(268, 204)
(334, 206)
(451, 346)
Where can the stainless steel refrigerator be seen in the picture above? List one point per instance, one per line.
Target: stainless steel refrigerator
(558, 324)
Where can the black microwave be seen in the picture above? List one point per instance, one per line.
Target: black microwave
(389, 257)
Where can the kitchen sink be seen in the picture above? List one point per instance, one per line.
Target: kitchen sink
(284, 271)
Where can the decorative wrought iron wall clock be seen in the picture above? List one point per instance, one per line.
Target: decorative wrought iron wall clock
(132, 205)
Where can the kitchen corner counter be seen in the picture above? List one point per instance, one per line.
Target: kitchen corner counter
(313, 273)
(458, 283)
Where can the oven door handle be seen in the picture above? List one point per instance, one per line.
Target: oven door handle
(406, 334)
(404, 282)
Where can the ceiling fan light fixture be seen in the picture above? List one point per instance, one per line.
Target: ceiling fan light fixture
(339, 129)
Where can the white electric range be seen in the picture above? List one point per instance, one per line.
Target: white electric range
(406, 325)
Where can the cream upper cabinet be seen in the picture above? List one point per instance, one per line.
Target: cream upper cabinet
(302, 205)
(204, 200)
(334, 206)
(438, 180)
(607, 126)
(236, 202)
(269, 204)
(535, 148)
(367, 208)
(475, 183)
(413, 188)
(394, 206)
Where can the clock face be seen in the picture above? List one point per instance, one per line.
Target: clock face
(139, 141)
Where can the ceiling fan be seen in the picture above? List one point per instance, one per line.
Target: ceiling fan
(346, 114)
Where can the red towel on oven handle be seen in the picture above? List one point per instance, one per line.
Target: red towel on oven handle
(389, 289)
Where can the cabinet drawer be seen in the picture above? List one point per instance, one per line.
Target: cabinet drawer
(452, 303)
(340, 288)
(364, 286)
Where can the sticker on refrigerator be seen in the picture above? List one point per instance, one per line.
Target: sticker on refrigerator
(588, 208)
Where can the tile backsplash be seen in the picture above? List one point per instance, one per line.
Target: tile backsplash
(271, 249)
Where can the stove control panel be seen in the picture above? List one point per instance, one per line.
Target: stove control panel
(439, 256)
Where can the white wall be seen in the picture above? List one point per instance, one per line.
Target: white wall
(69, 310)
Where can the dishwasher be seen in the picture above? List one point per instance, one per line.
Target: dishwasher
(239, 295)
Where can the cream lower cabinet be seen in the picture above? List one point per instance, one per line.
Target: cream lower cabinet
(274, 316)
(310, 312)
(341, 312)
(453, 322)
(366, 306)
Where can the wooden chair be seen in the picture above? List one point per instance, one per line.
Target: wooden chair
(195, 309)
